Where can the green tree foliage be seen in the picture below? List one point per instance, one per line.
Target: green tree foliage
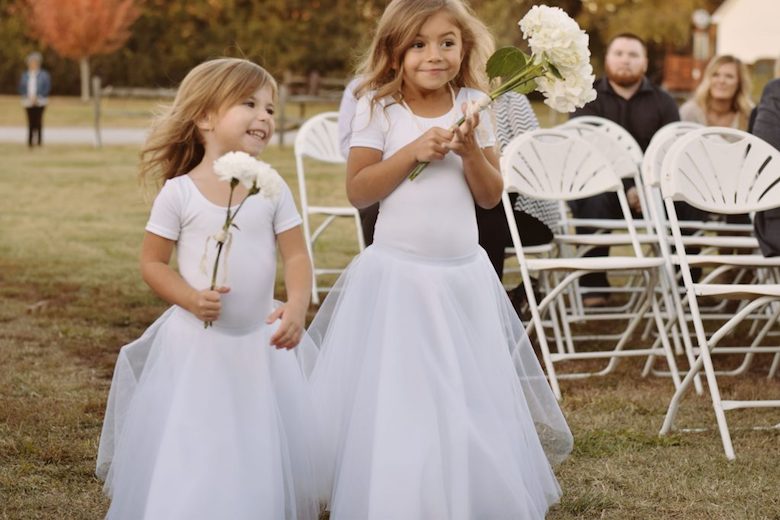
(172, 36)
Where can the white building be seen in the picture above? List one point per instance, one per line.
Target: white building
(748, 29)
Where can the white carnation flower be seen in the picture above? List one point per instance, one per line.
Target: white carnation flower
(251, 173)
(237, 165)
(267, 180)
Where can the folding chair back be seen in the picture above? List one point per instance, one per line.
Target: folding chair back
(659, 146)
(556, 165)
(723, 170)
(612, 140)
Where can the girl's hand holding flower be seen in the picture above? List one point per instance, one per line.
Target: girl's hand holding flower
(464, 141)
(433, 145)
(206, 304)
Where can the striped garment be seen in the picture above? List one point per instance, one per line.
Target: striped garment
(513, 116)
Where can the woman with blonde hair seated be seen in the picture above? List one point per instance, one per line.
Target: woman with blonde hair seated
(723, 96)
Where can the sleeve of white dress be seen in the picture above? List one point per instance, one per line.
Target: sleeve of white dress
(346, 115)
(286, 215)
(369, 125)
(165, 218)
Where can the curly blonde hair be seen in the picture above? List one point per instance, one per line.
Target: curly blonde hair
(741, 103)
(175, 145)
(381, 67)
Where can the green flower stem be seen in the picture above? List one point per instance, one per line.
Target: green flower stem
(225, 228)
(228, 221)
(522, 77)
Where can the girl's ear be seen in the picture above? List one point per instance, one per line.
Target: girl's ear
(204, 123)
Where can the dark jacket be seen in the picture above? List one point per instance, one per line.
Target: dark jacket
(767, 127)
(642, 114)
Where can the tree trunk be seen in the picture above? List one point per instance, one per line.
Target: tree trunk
(84, 68)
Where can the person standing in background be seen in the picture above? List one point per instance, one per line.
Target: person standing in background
(34, 87)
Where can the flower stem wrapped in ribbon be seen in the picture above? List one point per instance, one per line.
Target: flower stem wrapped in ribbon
(254, 175)
(559, 65)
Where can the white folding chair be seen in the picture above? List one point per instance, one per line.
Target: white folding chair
(318, 140)
(554, 165)
(656, 151)
(726, 171)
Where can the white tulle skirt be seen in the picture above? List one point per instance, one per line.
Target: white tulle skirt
(208, 424)
(431, 402)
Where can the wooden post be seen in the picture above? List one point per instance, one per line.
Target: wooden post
(96, 94)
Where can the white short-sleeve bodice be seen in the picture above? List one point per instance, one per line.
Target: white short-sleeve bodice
(434, 214)
(183, 214)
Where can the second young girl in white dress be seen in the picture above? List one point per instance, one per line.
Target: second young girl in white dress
(432, 403)
(212, 423)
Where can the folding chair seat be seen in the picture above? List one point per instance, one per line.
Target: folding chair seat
(318, 140)
(555, 165)
(726, 171)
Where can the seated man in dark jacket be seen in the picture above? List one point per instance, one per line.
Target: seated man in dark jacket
(767, 127)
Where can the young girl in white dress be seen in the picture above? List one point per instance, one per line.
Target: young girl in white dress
(208, 423)
(432, 403)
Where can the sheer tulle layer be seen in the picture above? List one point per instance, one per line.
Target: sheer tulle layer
(202, 424)
(430, 398)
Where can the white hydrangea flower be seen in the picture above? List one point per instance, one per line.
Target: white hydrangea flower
(556, 39)
(575, 90)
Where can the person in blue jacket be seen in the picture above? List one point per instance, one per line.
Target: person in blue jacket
(34, 87)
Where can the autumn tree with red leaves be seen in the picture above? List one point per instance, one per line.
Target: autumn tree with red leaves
(80, 29)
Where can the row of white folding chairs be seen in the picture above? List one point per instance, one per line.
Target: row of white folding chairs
(559, 165)
(726, 171)
(555, 165)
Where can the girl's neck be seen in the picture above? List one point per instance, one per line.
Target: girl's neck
(429, 103)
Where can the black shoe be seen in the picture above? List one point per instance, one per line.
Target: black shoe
(520, 302)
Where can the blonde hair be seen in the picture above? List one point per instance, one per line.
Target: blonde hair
(741, 103)
(381, 67)
(175, 146)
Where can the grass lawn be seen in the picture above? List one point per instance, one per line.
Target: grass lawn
(70, 296)
(138, 113)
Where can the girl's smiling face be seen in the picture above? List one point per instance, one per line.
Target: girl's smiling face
(246, 127)
(436, 54)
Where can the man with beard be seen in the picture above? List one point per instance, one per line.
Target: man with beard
(626, 97)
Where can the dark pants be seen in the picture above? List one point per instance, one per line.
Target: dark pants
(601, 206)
(607, 206)
(494, 234)
(35, 125)
(493, 231)
(368, 222)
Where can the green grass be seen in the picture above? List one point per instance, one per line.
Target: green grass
(71, 296)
